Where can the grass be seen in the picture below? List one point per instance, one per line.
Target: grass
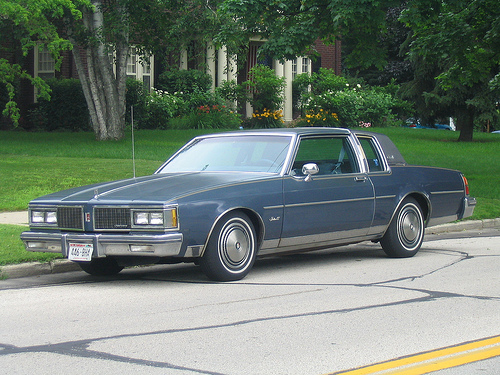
(12, 250)
(34, 164)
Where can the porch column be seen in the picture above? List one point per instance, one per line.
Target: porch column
(287, 102)
(211, 64)
(221, 65)
(231, 68)
(183, 63)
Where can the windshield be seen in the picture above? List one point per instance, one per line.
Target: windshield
(249, 153)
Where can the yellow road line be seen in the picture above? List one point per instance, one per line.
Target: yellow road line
(435, 360)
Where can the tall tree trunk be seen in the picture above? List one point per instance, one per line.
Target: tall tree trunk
(465, 123)
(104, 89)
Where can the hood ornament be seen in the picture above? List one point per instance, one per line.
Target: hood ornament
(96, 194)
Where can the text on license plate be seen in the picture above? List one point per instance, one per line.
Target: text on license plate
(80, 252)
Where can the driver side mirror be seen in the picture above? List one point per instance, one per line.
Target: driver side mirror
(309, 169)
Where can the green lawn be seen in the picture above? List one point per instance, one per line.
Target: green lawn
(34, 164)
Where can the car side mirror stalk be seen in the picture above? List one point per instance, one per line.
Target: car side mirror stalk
(309, 169)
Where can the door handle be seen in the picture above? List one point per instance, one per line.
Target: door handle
(360, 179)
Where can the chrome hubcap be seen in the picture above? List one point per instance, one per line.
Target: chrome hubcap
(410, 227)
(235, 245)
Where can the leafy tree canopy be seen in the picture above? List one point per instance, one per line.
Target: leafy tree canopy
(453, 44)
(292, 26)
(102, 31)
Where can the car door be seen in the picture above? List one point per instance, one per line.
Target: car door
(335, 204)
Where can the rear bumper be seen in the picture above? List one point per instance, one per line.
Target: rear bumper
(154, 245)
(468, 206)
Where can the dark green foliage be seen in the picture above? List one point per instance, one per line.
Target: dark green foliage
(65, 111)
(208, 117)
(265, 89)
(136, 97)
(4, 98)
(184, 81)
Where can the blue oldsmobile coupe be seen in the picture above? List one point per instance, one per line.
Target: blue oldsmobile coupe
(224, 199)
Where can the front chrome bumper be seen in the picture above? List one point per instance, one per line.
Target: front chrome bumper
(154, 245)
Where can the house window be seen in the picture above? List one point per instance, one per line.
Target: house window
(132, 63)
(294, 68)
(140, 67)
(44, 63)
(305, 65)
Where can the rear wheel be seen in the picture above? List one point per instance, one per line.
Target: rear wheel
(231, 249)
(406, 231)
(101, 267)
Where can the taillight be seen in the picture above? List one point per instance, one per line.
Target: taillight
(466, 185)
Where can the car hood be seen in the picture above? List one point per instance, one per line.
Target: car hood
(159, 188)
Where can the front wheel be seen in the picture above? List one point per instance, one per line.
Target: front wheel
(101, 267)
(406, 231)
(231, 249)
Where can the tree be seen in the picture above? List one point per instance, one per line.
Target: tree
(292, 26)
(27, 23)
(100, 32)
(455, 40)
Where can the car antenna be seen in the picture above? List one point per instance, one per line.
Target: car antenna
(133, 141)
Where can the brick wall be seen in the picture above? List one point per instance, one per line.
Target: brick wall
(330, 55)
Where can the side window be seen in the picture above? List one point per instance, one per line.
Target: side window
(374, 160)
(333, 155)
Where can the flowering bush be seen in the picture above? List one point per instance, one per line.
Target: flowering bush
(266, 119)
(321, 118)
(352, 105)
(162, 106)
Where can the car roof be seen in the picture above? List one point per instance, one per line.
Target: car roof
(391, 152)
(288, 131)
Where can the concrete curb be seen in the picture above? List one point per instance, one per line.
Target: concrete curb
(64, 265)
(15, 271)
(464, 225)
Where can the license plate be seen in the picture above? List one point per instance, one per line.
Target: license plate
(81, 252)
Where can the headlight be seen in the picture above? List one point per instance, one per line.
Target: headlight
(48, 216)
(156, 218)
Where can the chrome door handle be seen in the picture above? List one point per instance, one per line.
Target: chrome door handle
(360, 179)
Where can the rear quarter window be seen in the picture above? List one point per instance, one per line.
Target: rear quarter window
(375, 160)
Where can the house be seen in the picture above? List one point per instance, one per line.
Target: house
(222, 68)
(217, 63)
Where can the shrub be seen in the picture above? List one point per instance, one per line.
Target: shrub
(265, 89)
(231, 93)
(266, 119)
(184, 81)
(300, 91)
(321, 118)
(161, 107)
(265, 94)
(67, 109)
(4, 98)
(136, 97)
(353, 106)
(208, 117)
(326, 80)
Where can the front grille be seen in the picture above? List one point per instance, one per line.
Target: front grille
(111, 218)
(70, 218)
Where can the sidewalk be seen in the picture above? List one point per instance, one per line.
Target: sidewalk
(14, 218)
(63, 265)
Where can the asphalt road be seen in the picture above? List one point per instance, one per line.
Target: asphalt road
(316, 313)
